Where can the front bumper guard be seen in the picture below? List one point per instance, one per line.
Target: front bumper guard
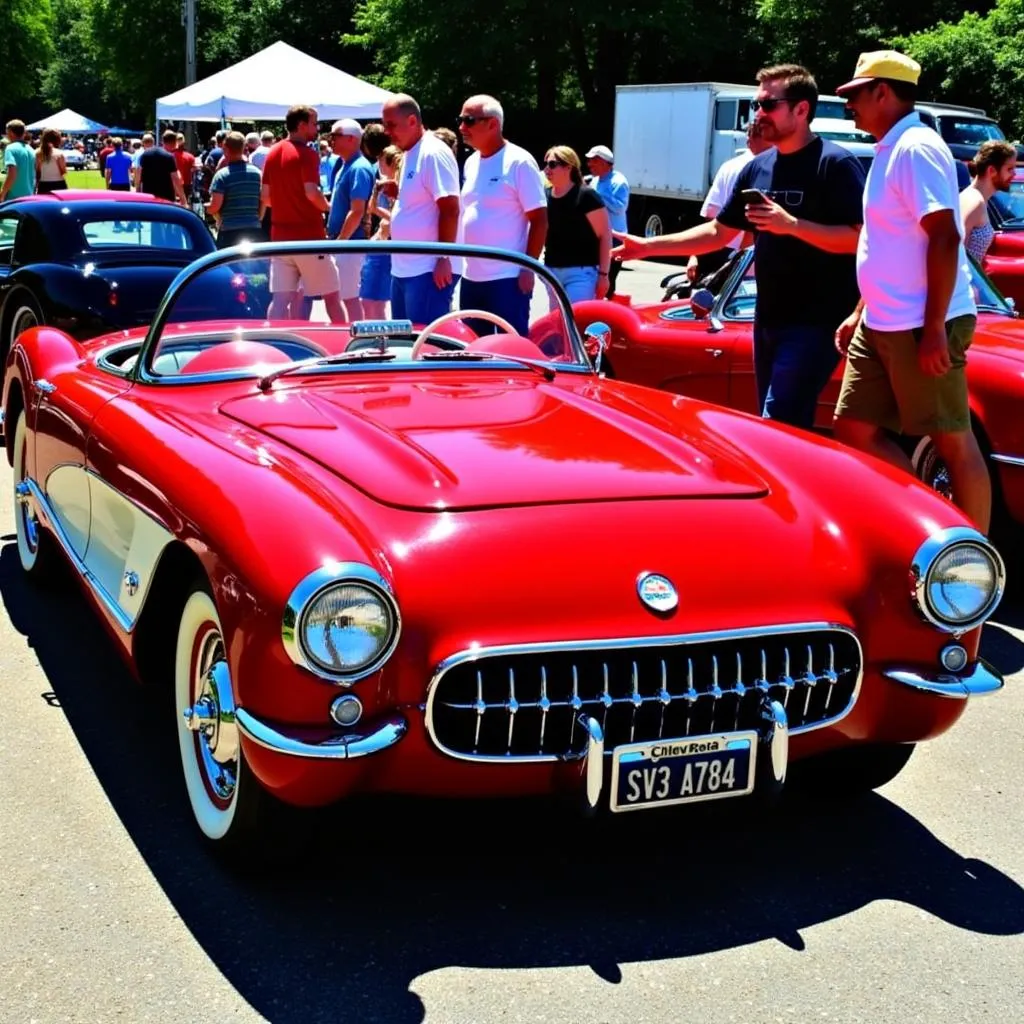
(975, 681)
(339, 747)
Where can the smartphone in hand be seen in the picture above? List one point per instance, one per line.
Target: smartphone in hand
(753, 197)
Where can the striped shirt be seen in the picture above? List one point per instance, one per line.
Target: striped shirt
(239, 183)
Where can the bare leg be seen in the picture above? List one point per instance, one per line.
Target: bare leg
(870, 438)
(353, 309)
(968, 475)
(375, 309)
(335, 311)
(280, 305)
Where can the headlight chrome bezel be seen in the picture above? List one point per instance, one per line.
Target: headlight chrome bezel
(925, 560)
(309, 589)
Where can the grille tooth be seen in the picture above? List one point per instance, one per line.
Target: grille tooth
(526, 703)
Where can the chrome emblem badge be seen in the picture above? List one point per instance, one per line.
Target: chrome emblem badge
(657, 592)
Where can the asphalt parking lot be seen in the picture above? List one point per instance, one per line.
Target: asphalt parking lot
(906, 906)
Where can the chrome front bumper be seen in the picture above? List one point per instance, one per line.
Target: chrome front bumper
(975, 681)
(340, 747)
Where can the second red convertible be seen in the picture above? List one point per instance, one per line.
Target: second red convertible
(709, 355)
(392, 557)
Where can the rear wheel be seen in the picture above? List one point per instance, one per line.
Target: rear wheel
(654, 226)
(233, 812)
(930, 468)
(25, 315)
(36, 549)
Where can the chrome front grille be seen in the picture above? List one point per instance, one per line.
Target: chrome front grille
(524, 703)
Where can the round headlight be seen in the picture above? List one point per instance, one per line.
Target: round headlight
(959, 579)
(341, 622)
(346, 627)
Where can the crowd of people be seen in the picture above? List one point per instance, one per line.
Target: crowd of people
(868, 266)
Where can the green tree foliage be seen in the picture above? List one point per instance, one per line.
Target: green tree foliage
(26, 45)
(73, 72)
(979, 60)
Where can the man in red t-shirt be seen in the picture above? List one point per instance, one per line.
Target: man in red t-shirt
(291, 187)
(108, 148)
(186, 162)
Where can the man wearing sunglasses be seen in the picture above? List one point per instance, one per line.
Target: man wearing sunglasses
(503, 206)
(802, 200)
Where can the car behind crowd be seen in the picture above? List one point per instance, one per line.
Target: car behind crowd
(413, 558)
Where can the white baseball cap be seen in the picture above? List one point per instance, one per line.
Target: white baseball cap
(602, 153)
(347, 126)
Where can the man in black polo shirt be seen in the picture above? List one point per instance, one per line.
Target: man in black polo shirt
(805, 216)
(158, 171)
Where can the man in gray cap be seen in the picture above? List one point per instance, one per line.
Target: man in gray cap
(612, 187)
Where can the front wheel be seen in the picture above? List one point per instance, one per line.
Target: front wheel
(230, 807)
(36, 549)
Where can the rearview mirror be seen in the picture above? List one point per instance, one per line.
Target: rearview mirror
(702, 301)
(596, 339)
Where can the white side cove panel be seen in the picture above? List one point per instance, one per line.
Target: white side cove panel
(67, 491)
(123, 539)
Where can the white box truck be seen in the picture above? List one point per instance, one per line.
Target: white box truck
(671, 139)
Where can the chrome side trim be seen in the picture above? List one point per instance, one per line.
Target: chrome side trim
(979, 679)
(921, 566)
(45, 513)
(308, 589)
(682, 639)
(1009, 460)
(336, 748)
(42, 384)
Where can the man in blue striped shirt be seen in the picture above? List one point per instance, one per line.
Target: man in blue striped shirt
(235, 196)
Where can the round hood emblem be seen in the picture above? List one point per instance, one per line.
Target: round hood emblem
(657, 592)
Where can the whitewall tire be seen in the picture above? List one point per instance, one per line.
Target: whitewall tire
(35, 546)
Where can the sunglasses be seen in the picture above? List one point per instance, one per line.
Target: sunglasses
(470, 119)
(768, 105)
(551, 164)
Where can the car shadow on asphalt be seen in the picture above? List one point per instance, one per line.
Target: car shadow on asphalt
(391, 889)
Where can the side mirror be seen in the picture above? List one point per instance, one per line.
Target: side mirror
(702, 301)
(1011, 302)
(596, 338)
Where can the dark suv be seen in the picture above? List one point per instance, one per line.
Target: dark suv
(963, 128)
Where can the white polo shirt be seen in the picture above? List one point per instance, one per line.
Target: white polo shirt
(429, 173)
(498, 193)
(912, 175)
(722, 188)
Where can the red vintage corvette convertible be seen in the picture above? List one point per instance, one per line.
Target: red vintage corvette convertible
(709, 355)
(395, 558)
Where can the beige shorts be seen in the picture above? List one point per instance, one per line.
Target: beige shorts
(350, 267)
(319, 274)
(884, 385)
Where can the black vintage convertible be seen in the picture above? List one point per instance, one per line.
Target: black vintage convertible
(92, 262)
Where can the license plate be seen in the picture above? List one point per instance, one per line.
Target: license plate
(683, 771)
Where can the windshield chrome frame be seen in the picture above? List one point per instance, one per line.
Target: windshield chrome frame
(142, 371)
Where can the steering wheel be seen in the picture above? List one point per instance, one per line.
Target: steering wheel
(457, 314)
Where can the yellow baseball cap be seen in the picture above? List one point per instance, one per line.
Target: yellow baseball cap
(891, 64)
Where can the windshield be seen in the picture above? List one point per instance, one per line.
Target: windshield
(968, 132)
(1010, 205)
(299, 312)
(132, 233)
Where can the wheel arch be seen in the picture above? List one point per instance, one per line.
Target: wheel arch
(178, 573)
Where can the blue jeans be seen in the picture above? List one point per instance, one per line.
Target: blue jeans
(580, 283)
(792, 365)
(503, 297)
(418, 299)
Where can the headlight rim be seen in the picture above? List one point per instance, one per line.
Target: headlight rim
(934, 547)
(309, 589)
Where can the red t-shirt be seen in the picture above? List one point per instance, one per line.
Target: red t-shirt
(287, 169)
(185, 161)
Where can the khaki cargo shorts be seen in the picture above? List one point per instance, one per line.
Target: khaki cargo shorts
(884, 385)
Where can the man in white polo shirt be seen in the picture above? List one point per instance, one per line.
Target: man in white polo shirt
(907, 341)
(503, 206)
(427, 210)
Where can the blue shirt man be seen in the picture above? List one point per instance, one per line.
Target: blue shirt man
(610, 185)
(118, 169)
(353, 186)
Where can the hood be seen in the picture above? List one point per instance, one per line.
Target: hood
(417, 443)
(1001, 336)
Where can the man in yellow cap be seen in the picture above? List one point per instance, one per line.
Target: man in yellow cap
(906, 343)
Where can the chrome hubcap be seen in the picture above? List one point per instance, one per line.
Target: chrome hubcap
(29, 523)
(212, 719)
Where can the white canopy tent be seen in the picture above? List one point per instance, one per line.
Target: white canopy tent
(262, 88)
(67, 122)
